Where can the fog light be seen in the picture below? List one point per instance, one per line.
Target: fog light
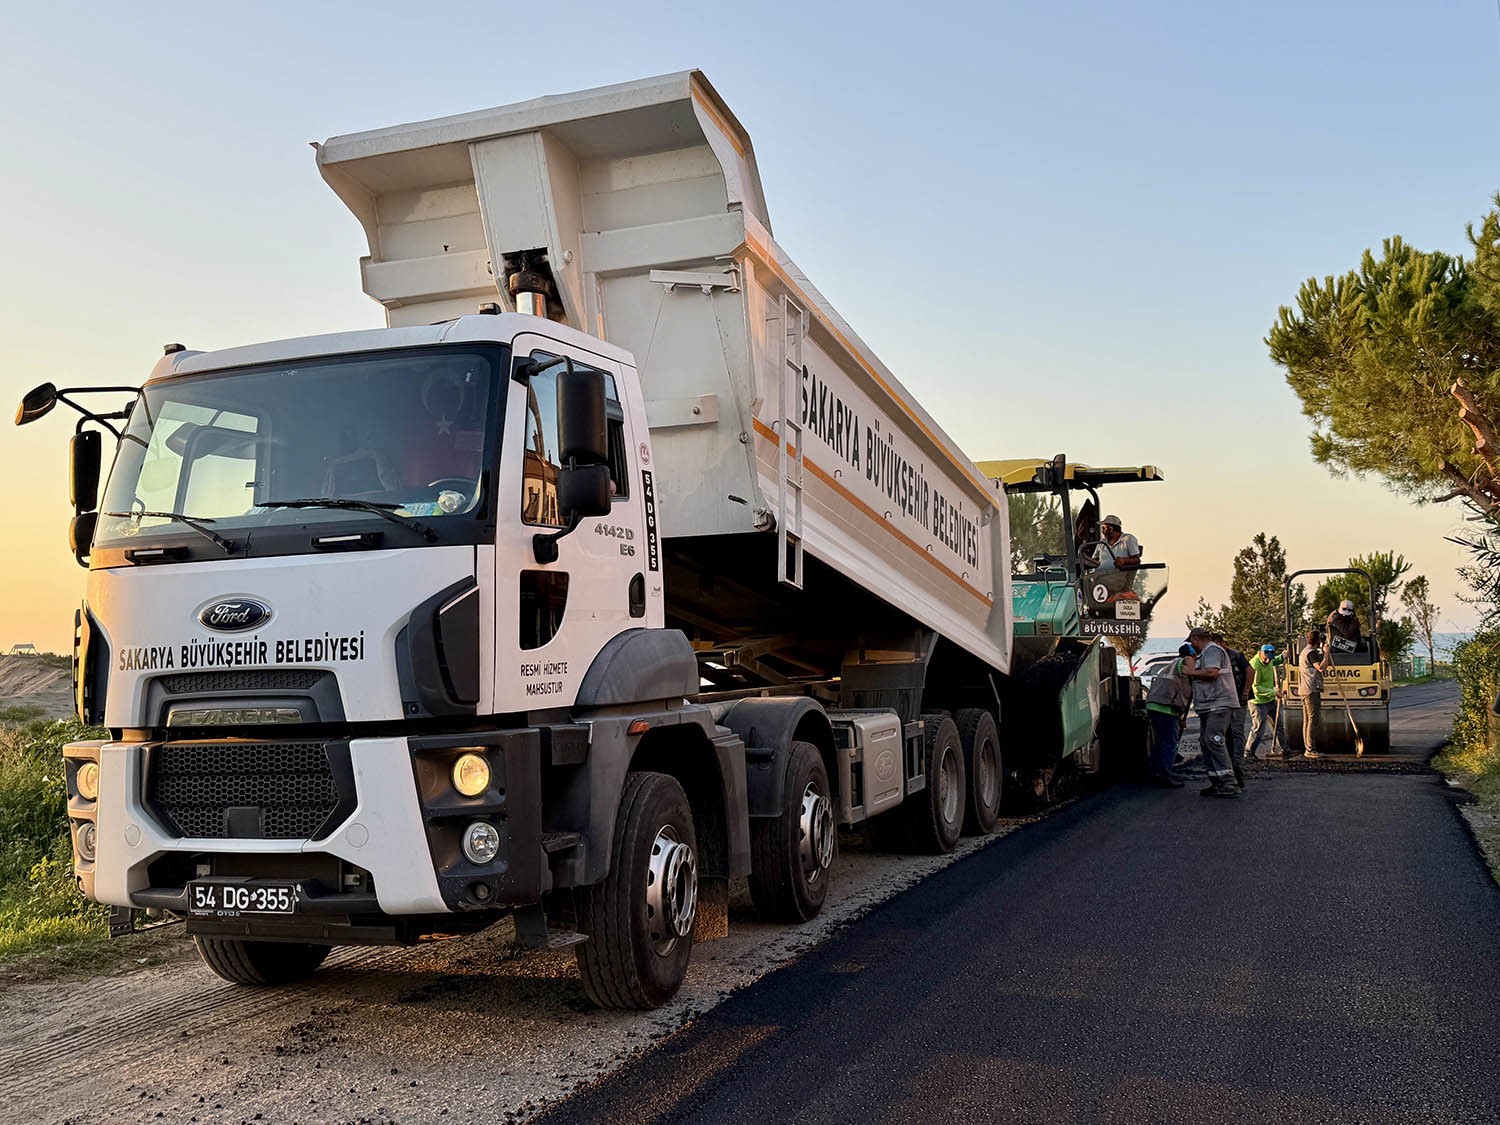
(481, 842)
(87, 835)
(88, 781)
(471, 775)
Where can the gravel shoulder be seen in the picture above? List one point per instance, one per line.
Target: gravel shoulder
(446, 1031)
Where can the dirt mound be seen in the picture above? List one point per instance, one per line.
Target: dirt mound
(36, 681)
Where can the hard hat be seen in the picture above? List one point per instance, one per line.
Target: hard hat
(1346, 607)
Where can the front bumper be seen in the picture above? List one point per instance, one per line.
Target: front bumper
(400, 826)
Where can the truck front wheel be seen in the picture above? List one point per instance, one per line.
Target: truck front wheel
(981, 739)
(791, 853)
(935, 817)
(639, 920)
(240, 961)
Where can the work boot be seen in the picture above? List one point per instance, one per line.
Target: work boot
(1311, 754)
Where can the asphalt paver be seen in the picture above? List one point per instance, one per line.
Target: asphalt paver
(1321, 949)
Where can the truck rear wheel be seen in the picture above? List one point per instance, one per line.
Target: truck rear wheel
(639, 920)
(982, 762)
(935, 816)
(241, 961)
(790, 855)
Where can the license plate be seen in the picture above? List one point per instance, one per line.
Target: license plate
(230, 900)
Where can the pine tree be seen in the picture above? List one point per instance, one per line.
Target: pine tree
(1257, 609)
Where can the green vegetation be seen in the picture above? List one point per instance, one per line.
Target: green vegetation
(1376, 357)
(1473, 758)
(40, 908)
(1036, 529)
(1397, 364)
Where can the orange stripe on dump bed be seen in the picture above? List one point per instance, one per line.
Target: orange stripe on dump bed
(827, 478)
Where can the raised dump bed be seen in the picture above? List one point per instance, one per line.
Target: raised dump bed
(641, 208)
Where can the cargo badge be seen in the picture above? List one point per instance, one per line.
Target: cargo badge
(234, 615)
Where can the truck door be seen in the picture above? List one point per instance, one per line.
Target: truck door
(553, 617)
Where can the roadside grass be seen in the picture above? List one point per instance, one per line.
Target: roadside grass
(40, 908)
(1439, 673)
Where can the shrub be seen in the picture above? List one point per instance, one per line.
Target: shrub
(39, 903)
(1476, 666)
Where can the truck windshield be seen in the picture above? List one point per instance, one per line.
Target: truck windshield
(349, 439)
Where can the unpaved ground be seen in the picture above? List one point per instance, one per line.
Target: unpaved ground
(462, 1031)
(30, 681)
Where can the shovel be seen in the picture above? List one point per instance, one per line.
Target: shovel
(1359, 739)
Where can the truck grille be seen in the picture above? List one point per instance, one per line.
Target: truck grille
(247, 790)
(254, 679)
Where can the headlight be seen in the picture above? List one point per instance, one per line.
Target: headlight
(471, 774)
(481, 842)
(88, 781)
(87, 837)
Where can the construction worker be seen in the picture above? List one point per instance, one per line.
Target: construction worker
(1310, 688)
(1242, 683)
(1214, 698)
(1265, 712)
(1344, 622)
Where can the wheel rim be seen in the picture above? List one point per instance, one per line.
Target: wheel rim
(671, 890)
(987, 777)
(948, 794)
(815, 833)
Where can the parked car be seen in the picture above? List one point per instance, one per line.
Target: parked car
(1154, 664)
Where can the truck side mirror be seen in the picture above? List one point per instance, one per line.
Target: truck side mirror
(583, 490)
(81, 535)
(35, 403)
(583, 436)
(83, 474)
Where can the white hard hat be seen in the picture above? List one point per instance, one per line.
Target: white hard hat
(1346, 607)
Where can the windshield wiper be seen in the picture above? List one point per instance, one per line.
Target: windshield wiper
(384, 511)
(194, 522)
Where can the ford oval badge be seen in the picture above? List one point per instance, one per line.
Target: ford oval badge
(234, 615)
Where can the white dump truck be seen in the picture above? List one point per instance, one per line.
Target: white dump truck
(615, 568)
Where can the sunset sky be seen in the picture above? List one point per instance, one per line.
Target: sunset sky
(1065, 227)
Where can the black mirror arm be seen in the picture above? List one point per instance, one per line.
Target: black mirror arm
(544, 547)
(94, 416)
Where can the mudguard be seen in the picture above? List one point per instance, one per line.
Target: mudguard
(768, 726)
(639, 666)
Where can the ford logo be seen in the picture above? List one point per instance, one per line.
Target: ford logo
(234, 615)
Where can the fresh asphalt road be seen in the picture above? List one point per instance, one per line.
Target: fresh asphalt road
(1323, 949)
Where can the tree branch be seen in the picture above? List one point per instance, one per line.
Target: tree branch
(1470, 412)
(1486, 503)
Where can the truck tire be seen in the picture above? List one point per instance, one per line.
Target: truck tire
(639, 920)
(791, 854)
(982, 762)
(241, 961)
(935, 816)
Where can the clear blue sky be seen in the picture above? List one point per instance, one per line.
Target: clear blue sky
(1064, 226)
